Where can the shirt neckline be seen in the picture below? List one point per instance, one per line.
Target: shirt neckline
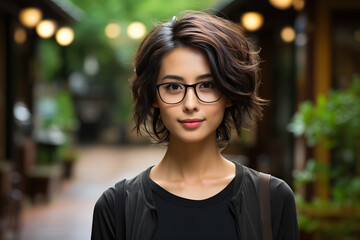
(177, 200)
(145, 185)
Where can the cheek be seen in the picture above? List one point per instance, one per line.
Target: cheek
(216, 115)
(219, 116)
(167, 116)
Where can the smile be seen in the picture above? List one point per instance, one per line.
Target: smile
(191, 123)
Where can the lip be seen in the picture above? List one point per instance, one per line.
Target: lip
(191, 122)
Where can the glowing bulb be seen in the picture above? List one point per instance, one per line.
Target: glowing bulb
(29, 17)
(64, 36)
(281, 4)
(252, 21)
(136, 30)
(46, 28)
(112, 30)
(288, 34)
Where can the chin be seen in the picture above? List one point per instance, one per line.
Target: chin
(194, 138)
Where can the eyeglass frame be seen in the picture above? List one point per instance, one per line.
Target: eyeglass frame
(186, 87)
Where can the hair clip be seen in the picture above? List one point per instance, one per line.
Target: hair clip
(173, 20)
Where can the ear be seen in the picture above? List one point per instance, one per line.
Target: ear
(155, 104)
(228, 103)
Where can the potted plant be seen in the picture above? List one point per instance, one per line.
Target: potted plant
(333, 123)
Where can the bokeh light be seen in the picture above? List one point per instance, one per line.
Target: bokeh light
(30, 17)
(301, 39)
(20, 35)
(281, 4)
(288, 34)
(46, 28)
(299, 4)
(252, 21)
(112, 30)
(136, 30)
(64, 36)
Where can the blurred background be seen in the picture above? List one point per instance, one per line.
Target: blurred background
(65, 108)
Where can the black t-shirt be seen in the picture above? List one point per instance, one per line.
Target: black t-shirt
(283, 210)
(181, 218)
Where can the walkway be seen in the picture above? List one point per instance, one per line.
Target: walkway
(69, 215)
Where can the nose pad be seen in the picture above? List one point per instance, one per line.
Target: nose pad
(191, 102)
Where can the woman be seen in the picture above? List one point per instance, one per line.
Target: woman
(195, 80)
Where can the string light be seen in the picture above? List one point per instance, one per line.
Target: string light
(46, 28)
(29, 17)
(64, 36)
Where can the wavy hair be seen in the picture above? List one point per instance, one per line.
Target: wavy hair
(233, 62)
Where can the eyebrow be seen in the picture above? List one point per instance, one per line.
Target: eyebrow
(176, 77)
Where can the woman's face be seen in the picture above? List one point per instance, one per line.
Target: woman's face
(190, 120)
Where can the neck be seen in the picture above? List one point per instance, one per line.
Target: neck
(192, 160)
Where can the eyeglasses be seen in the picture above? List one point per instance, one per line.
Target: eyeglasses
(174, 92)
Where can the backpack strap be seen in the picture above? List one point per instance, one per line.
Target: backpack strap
(120, 228)
(265, 209)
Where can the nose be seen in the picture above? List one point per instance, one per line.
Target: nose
(191, 102)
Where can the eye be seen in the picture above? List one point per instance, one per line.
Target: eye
(172, 87)
(207, 85)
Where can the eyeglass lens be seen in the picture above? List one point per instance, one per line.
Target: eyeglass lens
(174, 92)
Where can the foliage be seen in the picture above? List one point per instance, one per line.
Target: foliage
(58, 125)
(62, 115)
(333, 122)
(335, 119)
(113, 55)
(50, 59)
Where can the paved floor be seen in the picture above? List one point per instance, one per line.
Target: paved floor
(68, 216)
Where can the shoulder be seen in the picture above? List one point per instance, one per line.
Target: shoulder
(104, 216)
(127, 188)
(105, 205)
(278, 187)
(111, 204)
(106, 202)
(283, 210)
(283, 207)
(280, 191)
(281, 194)
(108, 197)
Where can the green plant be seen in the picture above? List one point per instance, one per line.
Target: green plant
(333, 122)
(63, 115)
(57, 128)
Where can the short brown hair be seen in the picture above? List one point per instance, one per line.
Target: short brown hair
(233, 63)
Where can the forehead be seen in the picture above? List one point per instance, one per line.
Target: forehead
(185, 62)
